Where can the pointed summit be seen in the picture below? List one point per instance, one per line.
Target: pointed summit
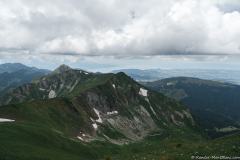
(62, 68)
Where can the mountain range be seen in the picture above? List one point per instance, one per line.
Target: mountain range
(110, 100)
(76, 114)
(221, 75)
(16, 74)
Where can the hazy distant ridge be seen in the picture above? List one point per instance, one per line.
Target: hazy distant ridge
(231, 76)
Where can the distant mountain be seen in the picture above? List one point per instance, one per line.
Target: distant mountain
(142, 75)
(12, 67)
(16, 74)
(231, 76)
(214, 104)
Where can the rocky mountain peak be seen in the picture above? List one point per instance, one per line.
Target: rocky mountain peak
(62, 68)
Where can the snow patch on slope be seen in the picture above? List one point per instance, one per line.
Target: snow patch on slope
(99, 120)
(80, 138)
(75, 84)
(52, 94)
(150, 106)
(226, 129)
(6, 120)
(153, 110)
(41, 89)
(114, 86)
(170, 83)
(113, 112)
(95, 126)
(143, 92)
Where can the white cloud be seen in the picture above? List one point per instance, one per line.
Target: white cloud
(118, 27)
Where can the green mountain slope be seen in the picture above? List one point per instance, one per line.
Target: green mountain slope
(24, 141)
(215, 105)
(112, 106)
(73, 114)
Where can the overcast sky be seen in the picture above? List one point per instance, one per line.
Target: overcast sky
(110, 34)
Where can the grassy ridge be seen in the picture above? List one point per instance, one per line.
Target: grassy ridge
(58, 113)
(27, 141)
(24, 141)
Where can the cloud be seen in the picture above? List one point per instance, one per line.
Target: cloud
(119, 27)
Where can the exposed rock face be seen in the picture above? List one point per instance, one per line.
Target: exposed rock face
(59, 83)
(110, 106)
